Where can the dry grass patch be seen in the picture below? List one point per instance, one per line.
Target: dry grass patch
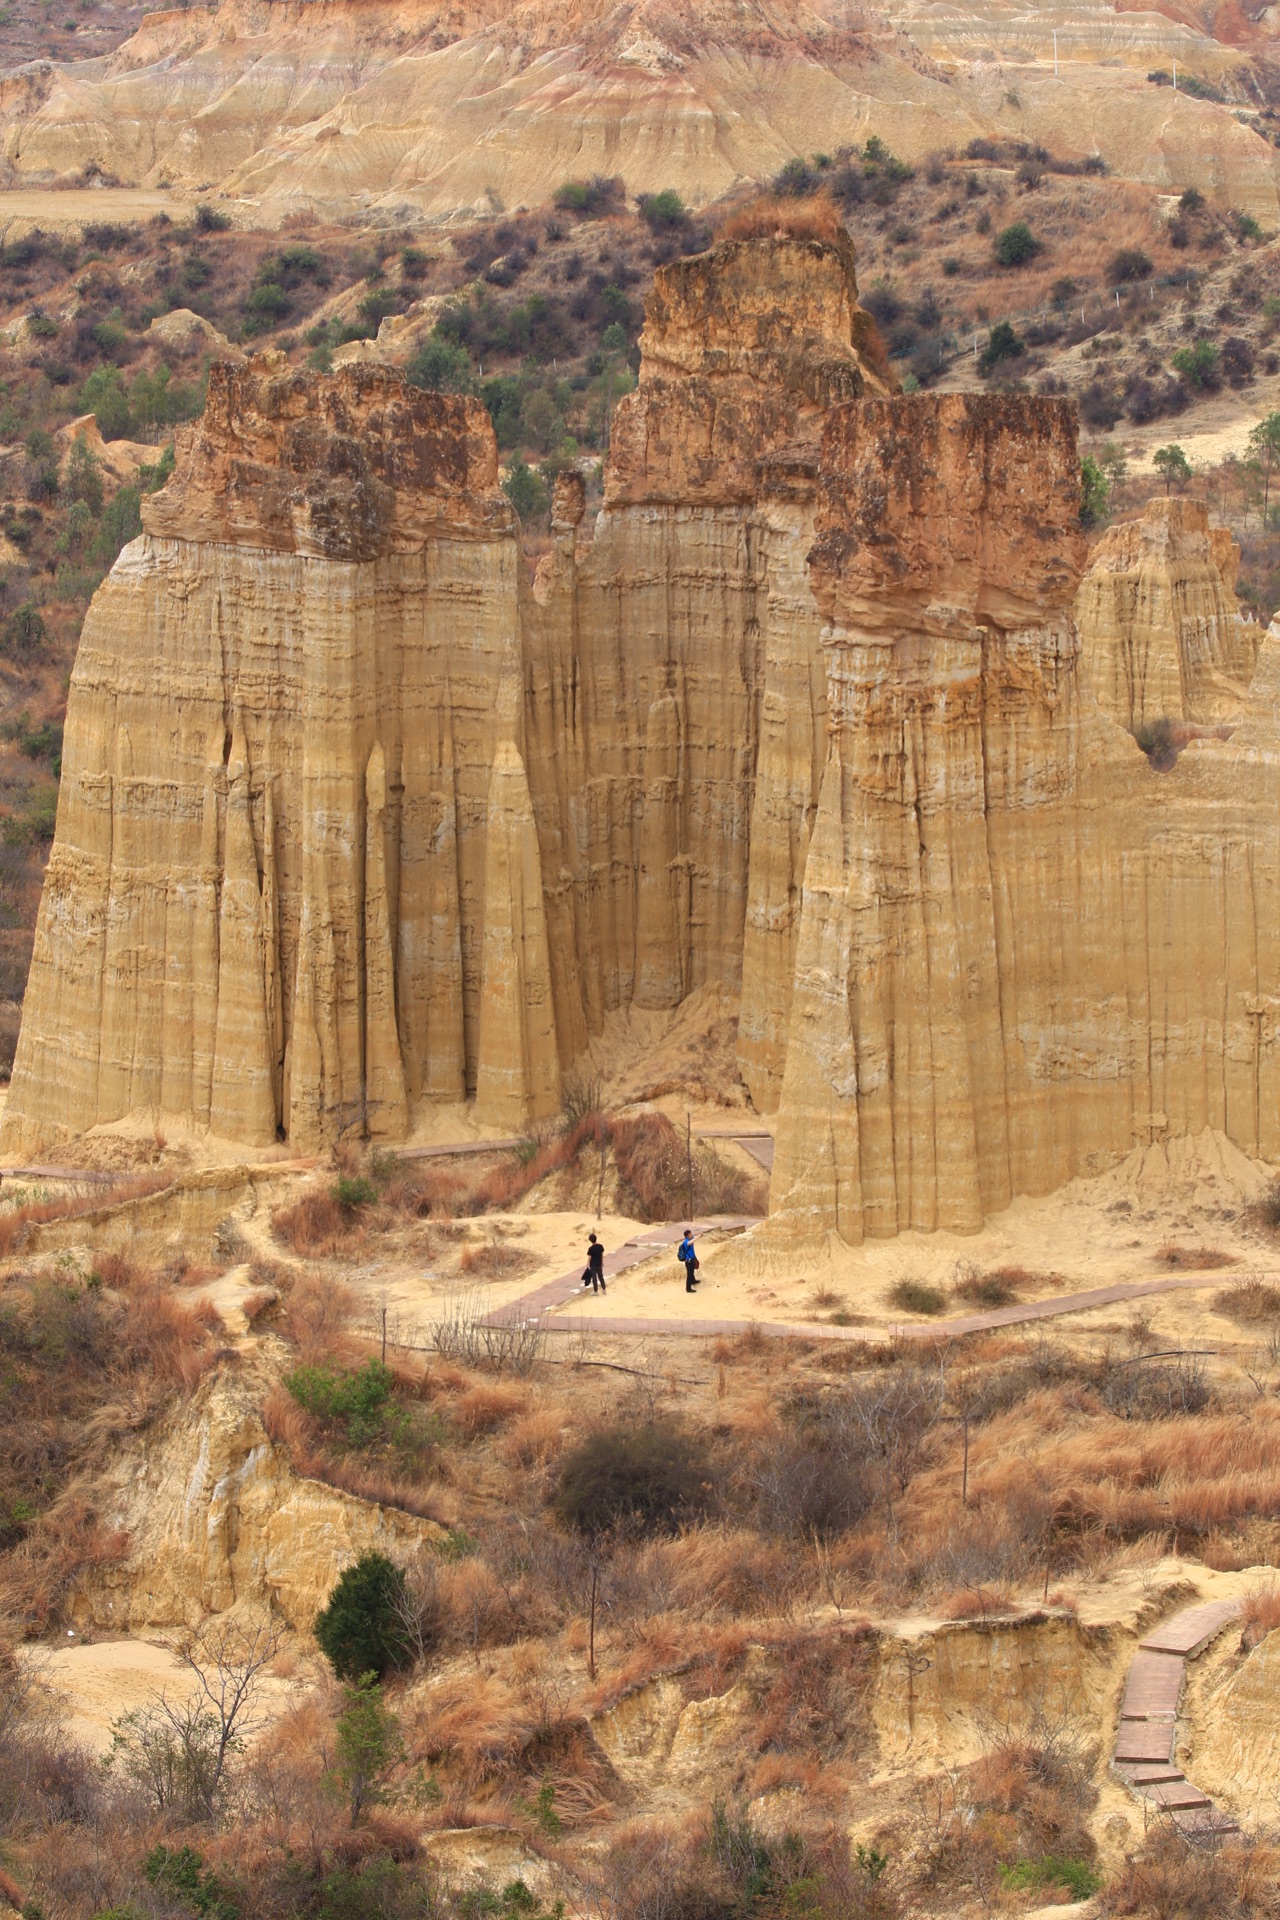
(1193, 1259)
(535, 1440)
(1260, 1614)
(495, 1261)
(1250, 1300)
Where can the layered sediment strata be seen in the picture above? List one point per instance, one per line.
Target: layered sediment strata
(353, 821)
(1020, 947)
(1162, 633)
(283, 703)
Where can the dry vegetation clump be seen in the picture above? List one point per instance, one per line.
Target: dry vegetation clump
(1173, 1879)
(494, 1261)
(1016, 1818)
(979, 1289)
(1265, 1212)
(1250, 1299)
(650, 1175)
(771, 217)
(80, 1366)
(1193, 1259)
(1260, 1614)
(917, 1296)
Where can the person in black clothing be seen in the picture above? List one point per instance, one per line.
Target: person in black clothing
(595, 1265)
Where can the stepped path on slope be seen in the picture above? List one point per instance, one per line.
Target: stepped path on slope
(1147, 1735)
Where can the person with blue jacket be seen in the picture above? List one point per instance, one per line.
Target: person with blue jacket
(688, 1259)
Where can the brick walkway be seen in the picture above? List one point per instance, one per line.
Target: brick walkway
(545, 1299)
(1147, 1736)
(567, 1286)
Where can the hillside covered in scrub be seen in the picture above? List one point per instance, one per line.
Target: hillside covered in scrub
(432, 1611)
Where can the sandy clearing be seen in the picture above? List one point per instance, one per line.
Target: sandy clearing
(24, 207)
(98, 1681)
(101, 1680)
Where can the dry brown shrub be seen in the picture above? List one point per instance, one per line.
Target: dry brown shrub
(1193, 1259)
(977, 1603)
(317, 1316)
(652, 1162)
(1260, 1614)
(114, 1270)
(434, 1191)
(168, 1339)
(1249, 1299)
(1172, 1879)
(773, 217)
(476, 1605)
(487, 1406)
(63, 1545)
(534, 1440)
(316, 1225)
(473, 1723)
(1040, 1466)
(494, 1260)
(817, 1702)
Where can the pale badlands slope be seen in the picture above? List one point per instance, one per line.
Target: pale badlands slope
(344, 104)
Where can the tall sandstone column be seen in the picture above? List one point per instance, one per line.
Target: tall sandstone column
(1022, 949)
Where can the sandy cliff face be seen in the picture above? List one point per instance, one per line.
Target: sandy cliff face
(327, 588)
(479, 107)
(352, 821)
(1020, 948)
(696, 735)
(1160, 626)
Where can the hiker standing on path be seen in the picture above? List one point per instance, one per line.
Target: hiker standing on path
(688, 1260)
(595, 1265)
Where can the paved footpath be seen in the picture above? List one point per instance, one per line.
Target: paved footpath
(1148, 1732)
(544, 1300)
(567, 1286)
(541, 1304)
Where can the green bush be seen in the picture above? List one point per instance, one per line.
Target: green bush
(1080, 1878)
(441, 366)
(1016, 245)
(103, 395)
(353, 1190)
(35, 825)
(663, 212)
(526, 489)
(1002, 344)
(1095, 493)
(82, 477)
(121, 522)
(25, 633)
(599, 194)
(181, 1873)
(359, 1401)
(1200, 366)
(1127, 265)
(646, 1479)
(361, 1627)
(209, 220)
